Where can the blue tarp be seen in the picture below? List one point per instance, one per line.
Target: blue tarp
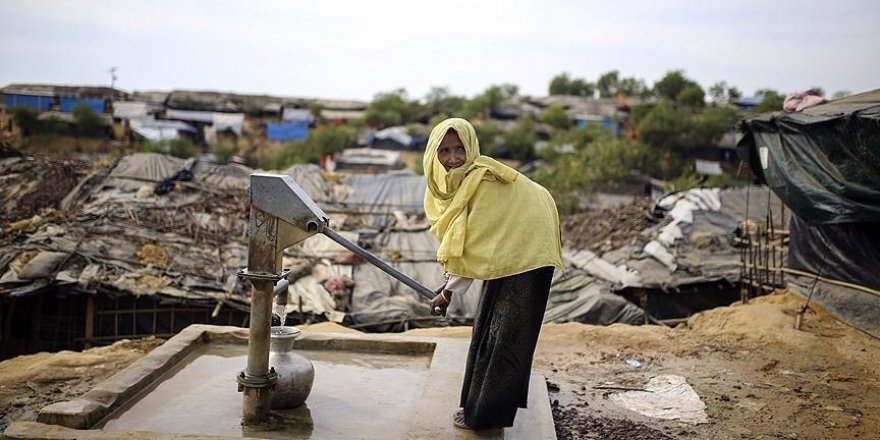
(39, 103)
(68, 104)
(287, 132)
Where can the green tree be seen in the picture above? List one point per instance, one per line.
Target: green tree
(487, 133)
(718, 91)
(772, 101)
(315, 108)
(614, 158)
(491, 98)
(27, 119)
(722, 92)
(608, 84)
(691, 95)
(440, 100)
(521, 138)
(556, 117)
(392, 108)
(560, 84)
(582, 87)
(665, 127)
(88, 123)
(711, 124)
(671, 85)
(328, 139)
(631, 86)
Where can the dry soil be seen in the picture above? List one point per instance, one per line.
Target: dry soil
(759, 377)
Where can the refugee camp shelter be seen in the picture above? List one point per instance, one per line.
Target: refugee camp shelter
(824, 163)
(45, 97)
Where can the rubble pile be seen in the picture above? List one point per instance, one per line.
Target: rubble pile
(607, 229)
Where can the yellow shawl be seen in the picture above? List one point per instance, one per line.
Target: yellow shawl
(491, 220)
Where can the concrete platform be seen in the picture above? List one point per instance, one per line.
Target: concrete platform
(433, 410)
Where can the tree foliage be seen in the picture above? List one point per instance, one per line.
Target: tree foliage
(772, 101)
(88, 123)
(488, 134)
(664, 126)
(556, 117)
(671, 85)
(562, 84)
(722, 92)
(608, 84)
(521, 138)
(27, 119)
(392, 108)
(179, 147)
(439, 100)
(691, 95)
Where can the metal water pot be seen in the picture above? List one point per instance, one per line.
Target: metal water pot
(296, 374)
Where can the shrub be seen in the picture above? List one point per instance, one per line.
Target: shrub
(180, 147)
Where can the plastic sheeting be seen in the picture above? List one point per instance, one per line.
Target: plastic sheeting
(824, 162)
(387, 192)
(292, 131)
(36, 102)
(130, 109)
(132, 171)
(667, 397)
(309, 178)
(847, 252)
(856, 307)
(297, 114)
(68, 104)
(220, 121)
(159, 129)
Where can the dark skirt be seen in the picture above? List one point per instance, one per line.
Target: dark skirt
(505, 333)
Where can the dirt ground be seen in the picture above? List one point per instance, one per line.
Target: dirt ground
(758, 376)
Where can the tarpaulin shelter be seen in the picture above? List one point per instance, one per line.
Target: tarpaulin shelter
(39, 103)
(824, 163)
(67, 104)
(287, 131)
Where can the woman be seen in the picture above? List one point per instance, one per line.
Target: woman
(496, 225)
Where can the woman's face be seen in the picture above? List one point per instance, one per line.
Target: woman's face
(451, 152)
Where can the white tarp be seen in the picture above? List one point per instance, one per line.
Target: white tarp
(602, 269)
(158, 129)
(228, 121)
(220, 121)
(708, 167)
(397, 134)
(297, 114)
(130, 109)
(667, 397)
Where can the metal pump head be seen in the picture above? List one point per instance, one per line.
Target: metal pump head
(282, 214)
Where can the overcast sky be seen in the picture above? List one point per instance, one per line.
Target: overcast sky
(355, 49)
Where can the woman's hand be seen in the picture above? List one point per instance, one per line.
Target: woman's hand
(440, 303)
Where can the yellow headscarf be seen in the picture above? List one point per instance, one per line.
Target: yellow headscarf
(483, 209)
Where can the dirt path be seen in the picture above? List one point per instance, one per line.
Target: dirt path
(758, 377)
(28, 383)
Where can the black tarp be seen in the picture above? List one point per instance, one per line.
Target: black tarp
(847, 252)
(823, 162)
